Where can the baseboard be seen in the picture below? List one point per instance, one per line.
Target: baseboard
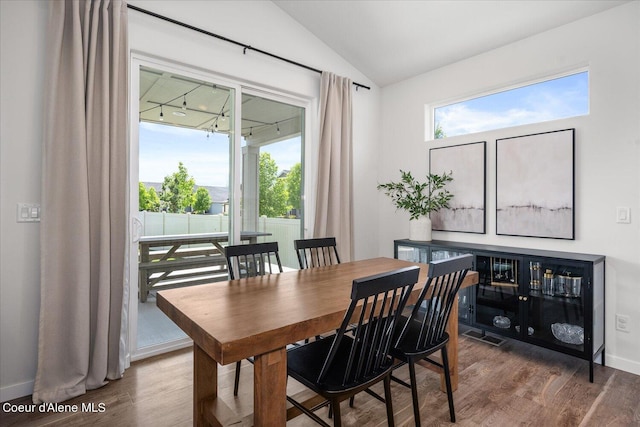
(156, 350)
(16, 390)
(622, 364)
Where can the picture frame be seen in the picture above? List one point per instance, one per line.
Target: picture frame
(535, 185)
(467, 208)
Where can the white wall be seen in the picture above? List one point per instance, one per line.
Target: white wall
(21, 86)
(607, 148)
(257, 23)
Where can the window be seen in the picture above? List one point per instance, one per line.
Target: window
(557, 98)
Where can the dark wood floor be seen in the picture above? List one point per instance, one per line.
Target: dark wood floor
(513, 384)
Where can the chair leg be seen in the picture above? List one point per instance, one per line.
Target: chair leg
(414, 393)
(447, 380)
(237, 383)
(387, 399)
(337, 418)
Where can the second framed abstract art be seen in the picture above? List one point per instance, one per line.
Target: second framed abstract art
(535, 185)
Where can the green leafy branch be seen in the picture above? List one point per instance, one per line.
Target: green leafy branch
(419, 198)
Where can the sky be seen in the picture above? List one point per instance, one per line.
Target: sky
(549, 100)
(162, 147)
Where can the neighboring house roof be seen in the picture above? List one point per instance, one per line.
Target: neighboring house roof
(218, 194)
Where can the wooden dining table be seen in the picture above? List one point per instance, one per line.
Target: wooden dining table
(233, 320)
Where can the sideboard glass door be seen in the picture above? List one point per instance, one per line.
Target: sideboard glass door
(497, 302)
(413, 253)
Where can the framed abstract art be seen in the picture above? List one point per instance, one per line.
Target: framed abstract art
(466, 162)
(535, 185)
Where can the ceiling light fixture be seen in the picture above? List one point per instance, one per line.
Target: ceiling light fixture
(184, 102)
(277, 128)
(161, 114)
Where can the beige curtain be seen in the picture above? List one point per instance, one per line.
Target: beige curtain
(334, 211)
(84, 199)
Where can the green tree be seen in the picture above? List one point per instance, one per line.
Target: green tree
(143, 197)
(273, 191)
(202, 201)
(294, 183)
(148, 199)
(177, 190)
(153, 201)
(439, 133)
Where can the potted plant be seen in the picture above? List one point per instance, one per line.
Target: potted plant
(419, 199)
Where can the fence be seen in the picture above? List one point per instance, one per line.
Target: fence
(284, 231)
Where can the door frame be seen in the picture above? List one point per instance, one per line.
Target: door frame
(138, 59)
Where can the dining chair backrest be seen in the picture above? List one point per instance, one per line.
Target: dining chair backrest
(316, 252)
(380, 299)
(433, 307)
(254, 259)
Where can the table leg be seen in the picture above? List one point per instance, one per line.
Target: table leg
(270, 389)
(205, 384)
(452, 349)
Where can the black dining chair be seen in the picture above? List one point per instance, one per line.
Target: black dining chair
(250, 260)
(254, 259)
(317, 252)
(422, 333)
(339, 367)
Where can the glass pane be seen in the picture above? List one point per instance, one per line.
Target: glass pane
(185, 138)
(413, 254)
(497, 292)
(548, 100)
(556, 306)
(272, 172)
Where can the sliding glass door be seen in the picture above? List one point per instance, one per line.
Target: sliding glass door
(196, 169)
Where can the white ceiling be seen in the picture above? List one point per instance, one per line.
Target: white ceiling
(389, 41)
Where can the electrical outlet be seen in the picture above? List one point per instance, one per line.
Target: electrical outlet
(623, 322)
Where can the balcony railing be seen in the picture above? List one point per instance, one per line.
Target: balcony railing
(283, 230)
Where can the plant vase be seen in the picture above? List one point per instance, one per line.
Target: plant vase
(420, 229)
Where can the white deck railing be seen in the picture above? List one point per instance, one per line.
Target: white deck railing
(283, 230)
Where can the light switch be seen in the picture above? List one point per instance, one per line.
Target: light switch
(28, 212)
(623, 215)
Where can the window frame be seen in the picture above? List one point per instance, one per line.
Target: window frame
(430, 109)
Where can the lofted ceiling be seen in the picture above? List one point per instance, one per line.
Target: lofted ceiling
(392, 40)
(388, 41)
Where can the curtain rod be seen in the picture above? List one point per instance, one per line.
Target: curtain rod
(237, 43)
